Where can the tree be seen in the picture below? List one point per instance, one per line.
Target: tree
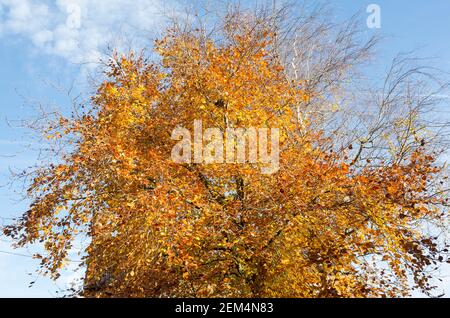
(331, 222)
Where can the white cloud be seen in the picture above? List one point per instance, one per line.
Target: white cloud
(79, 30)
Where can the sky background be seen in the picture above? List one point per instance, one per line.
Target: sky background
(49, 47)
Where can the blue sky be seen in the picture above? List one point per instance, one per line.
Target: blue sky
(44, 46)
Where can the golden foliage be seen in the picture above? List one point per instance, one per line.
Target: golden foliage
(317, 228)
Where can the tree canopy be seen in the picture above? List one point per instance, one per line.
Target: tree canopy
(331, 222)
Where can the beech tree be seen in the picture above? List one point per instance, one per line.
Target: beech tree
(342, 217)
